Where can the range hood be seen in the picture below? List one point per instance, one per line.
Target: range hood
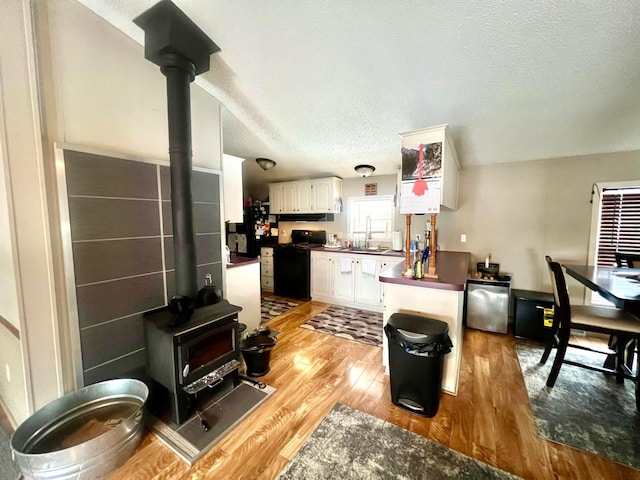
(305, 217)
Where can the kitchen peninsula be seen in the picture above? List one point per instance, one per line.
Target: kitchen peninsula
(243, 289)
(439, 298)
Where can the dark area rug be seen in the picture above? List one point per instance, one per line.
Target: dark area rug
(271, 307)
(189, 441)
(8, 469)
(349, 444)
(354, 324)
(585, 409)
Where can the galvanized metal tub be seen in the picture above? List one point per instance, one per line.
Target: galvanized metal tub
(84, 434)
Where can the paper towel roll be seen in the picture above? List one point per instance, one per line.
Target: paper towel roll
(397, 241)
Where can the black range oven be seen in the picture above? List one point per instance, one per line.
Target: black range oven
(292, 263)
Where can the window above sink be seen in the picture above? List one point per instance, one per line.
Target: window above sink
(380, 210)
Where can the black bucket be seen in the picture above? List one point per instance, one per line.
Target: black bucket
(256, 351)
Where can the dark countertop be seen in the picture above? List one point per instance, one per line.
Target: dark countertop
(237, 261)
(451, 267)
(385, 253)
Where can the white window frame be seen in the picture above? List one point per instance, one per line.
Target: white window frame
(592, 297)
(378, 236)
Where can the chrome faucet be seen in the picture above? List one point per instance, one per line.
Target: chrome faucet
(367, 231)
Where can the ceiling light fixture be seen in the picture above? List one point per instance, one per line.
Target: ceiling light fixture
(265, 163)
(364, 170)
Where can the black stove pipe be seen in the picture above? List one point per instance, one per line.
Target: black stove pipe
(180, 73)
(182, 50)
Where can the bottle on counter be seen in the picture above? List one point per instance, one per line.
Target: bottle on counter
(417, 269)
(228, 254)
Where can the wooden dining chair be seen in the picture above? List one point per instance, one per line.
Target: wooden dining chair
(627, 260)
(605, 320)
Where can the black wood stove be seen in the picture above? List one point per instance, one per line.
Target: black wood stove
(190, 344)
(195, 355)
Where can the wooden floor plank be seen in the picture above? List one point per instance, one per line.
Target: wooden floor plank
(490, 418)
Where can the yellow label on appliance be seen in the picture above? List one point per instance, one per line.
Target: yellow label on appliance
(548, 317)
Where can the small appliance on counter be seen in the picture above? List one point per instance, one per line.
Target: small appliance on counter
(487, 299)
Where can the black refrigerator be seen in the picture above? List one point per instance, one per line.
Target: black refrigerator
(246, 238)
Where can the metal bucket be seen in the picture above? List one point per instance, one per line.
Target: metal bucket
(84, 434)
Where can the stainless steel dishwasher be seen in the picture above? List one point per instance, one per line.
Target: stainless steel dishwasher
(487, 304)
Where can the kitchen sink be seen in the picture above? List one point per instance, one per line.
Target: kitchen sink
(369, 250)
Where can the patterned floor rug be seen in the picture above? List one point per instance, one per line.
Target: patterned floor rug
(349, 444)
(585, 409)
(271, 307)
(351, 323)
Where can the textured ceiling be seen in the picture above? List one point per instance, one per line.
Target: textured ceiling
(321, 86)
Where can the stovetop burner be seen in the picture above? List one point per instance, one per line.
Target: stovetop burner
(307, 238)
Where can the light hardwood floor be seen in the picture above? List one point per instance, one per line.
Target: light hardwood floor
(490, 419)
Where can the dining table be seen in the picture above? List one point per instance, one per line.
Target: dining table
(620, 286)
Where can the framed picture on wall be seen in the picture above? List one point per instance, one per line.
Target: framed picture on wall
(421, 178)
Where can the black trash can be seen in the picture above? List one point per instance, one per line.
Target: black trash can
(256, 351)
(417, 346)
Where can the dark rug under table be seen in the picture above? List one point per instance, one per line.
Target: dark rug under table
(585, 409)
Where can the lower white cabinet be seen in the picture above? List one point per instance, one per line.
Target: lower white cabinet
(266, 268)
(349, 279)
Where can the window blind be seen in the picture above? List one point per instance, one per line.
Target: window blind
(619, 224)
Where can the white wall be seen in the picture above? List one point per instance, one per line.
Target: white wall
(520, 212)
(95, 90)
(32, 355)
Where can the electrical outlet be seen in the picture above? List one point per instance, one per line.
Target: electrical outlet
(8, 372)
(463, 238)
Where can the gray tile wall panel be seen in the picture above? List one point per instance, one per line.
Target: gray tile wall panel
(110, 340)
(165, 183)
(206, 218)
(102, 218)
(112, 259)
(111, 255)
(100, 302)
(127, 366)
(208, 248)
(100, 176)
(205, 187)
(215, 269)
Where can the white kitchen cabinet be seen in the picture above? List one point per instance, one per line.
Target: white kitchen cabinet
(319, 195)
(232, 185)
(275, 198)
(321, 275)
(243, 289)
(344, 273)
(304, 197)
(326, 195)
(368, 290)
(289, 198)
(266, 268)
(349, 279)
(450, 165)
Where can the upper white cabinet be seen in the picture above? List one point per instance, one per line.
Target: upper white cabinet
(232, 184)
(449, 164)
(318, 195)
